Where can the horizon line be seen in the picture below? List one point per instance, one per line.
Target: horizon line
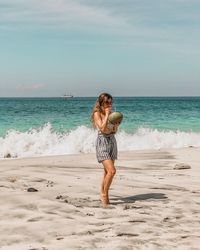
(97, 96)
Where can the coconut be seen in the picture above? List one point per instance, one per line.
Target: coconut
(115, 117)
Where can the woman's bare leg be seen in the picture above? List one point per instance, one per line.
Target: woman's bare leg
(109, 173)
(104, 198)
(102, 184)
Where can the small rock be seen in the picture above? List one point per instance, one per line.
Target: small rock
(137, 221)
(59, 238)
(127, 234)
(166, 219)
(184, 236)
(179, 166)
(59, 197)
(32, 190)
(126, 207)
(8, 155)
(43, 248)
(89, 214)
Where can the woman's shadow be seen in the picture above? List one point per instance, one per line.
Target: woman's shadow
(139, 197)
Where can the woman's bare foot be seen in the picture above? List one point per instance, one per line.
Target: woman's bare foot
(105, 199)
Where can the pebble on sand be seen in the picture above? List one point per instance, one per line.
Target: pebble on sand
(179, 166)
(32, 190)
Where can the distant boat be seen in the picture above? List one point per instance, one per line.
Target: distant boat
(67, 96)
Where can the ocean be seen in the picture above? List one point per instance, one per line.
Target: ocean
(57, 126)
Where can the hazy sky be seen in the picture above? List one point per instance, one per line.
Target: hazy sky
(84, 47)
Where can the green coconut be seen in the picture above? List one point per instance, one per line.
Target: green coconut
(115, 117)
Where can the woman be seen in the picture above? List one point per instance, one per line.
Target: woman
(106, 146)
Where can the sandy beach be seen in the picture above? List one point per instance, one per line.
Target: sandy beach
(153, 205)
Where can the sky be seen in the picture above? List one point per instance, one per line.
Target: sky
(85, 47)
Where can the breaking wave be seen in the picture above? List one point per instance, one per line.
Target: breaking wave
(47, 141)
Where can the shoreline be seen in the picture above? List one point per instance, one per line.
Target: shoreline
(92, 155)
(153, 206)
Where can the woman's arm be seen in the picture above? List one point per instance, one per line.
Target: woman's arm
(101, 123)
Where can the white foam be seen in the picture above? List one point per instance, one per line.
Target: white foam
(146, 138)
(46, 141)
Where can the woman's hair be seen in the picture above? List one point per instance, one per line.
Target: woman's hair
(98, 107)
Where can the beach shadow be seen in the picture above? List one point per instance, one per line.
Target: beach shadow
(140, 197)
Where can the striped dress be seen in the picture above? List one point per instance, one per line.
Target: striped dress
(106, 147)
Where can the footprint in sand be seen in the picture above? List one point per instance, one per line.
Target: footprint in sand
(79, 202)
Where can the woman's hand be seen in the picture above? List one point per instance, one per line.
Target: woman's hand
(115, 128)
(108, 110)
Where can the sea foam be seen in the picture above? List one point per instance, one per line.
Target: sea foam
(46, 141)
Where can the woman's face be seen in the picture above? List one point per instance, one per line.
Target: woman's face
(107, 103)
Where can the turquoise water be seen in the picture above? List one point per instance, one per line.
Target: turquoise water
(55, 126)
(162, 113)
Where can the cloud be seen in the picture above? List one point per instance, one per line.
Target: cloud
(125, 18)
(113, 13)
(59, 13)
(121, 21)
(27, 87)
